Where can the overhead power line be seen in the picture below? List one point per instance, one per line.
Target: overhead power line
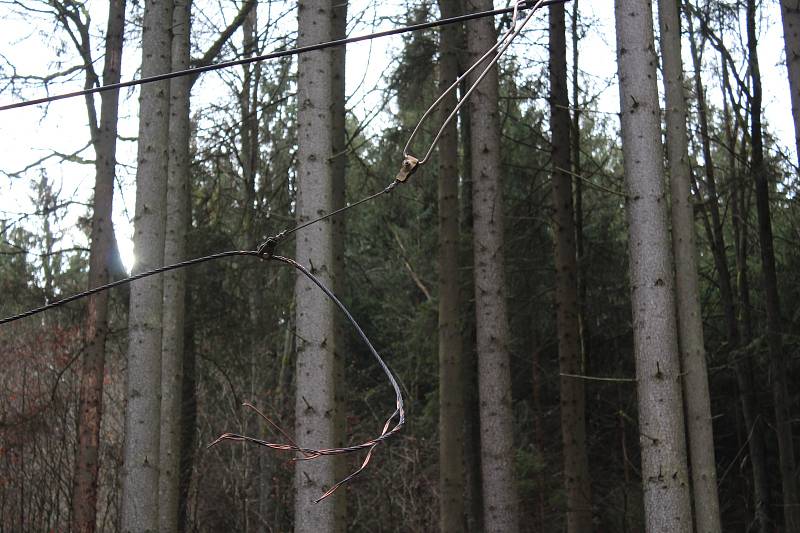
(280, 53)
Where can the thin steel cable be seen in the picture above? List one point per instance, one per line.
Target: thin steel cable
(274, 55)
(498, 50)
(268, 245)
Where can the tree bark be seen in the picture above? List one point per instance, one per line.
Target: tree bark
(315, 393)
(143, 393)
(338, 168)
(101, 256)
(780, 397)
(665, 480)
(177, 225)
(578, 187)
(690, 320)
(577, 483)
(451, 371)
(790, 14)
(188, 414)
(472, 432)
(494, 372)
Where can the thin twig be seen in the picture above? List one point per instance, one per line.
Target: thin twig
(598, 378)
(591, 183)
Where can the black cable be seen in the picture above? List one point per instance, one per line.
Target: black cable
(160, 270)
(274, 55)
(265, 249)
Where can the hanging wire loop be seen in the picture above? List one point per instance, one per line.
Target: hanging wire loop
(392, 425)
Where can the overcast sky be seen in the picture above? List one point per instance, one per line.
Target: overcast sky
(30, 45)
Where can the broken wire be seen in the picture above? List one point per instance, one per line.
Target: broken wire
(398, 416)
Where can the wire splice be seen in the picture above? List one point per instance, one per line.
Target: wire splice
(408, 167)
(267, 248)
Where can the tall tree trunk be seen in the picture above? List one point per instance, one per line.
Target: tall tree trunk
(577, 483)
(177, 225)
(451, 368)
(690, 320)
(667, 503)
(188, 414)
(143, 393)
(339, 167)
(494, 372)
(578, 186)
(315, 392)
(780, 397)
(755, 431)
(101, 255)
(472, 432)
(790, 14)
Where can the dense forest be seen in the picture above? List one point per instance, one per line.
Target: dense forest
(590, 320)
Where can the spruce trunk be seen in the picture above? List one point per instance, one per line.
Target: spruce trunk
(577, 483)
(494, 372)
(339, 167)
(177, 224)
(315, 394)
(143, 408)
(667, 504)
(690, 323)
(101, 255)
(451, 371)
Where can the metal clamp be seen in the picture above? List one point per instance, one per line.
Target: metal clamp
(267, 248)
(410, 165)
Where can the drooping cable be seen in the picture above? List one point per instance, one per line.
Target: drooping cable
(125, 281)
(265, 251)
(398, 416)
(528, 4)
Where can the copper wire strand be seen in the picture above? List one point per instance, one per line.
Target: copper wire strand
(312, 453)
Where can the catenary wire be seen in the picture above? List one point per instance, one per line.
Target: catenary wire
(528, 4)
